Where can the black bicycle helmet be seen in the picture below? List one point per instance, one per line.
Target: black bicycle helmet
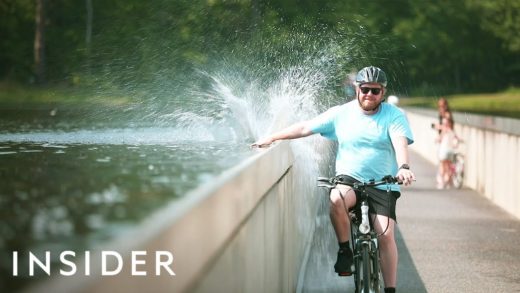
(371, 74)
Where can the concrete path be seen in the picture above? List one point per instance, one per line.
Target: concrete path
(448, 241)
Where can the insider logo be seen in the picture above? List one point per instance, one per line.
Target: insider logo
(107, 262)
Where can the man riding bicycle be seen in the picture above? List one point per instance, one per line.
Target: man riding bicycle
(373, 139)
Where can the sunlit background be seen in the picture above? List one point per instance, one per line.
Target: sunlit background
(110, 109)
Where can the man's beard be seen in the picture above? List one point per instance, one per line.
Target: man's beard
(368, 107)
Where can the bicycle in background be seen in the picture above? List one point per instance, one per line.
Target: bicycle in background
(364, 238)
(457, 170)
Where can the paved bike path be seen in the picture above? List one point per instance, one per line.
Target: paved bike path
(448, 241)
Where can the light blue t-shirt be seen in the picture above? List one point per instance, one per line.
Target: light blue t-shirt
(365, 148)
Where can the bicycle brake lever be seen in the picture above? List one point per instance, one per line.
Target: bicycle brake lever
(326, 185)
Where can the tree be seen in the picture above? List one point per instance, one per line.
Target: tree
(501, 17)
(39, 42)
(88, 32)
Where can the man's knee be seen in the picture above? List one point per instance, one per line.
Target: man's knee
(387, 238)
(341, 198)
(335, 197)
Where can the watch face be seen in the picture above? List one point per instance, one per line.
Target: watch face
(405, 166)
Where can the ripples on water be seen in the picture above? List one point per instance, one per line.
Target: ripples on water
(72, 190)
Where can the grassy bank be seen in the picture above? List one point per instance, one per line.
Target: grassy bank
(506, 104)
(16, 95)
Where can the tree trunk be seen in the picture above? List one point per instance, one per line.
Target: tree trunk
(39, 42)
(88, 33)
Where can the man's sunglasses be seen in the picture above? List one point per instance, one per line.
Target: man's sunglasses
(375, 90)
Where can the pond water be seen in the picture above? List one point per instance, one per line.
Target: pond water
(68, 187)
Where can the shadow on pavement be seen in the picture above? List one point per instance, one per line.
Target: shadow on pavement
(408, 279)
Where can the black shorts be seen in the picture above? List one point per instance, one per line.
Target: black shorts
(380, 202)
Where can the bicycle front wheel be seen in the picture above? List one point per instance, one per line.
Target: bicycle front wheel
(458, 172)
(377, 277)
(367, 269)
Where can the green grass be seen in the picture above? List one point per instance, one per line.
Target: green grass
(16, 95)
(506, 104)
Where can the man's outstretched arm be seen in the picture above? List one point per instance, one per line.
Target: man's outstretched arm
(297, 130)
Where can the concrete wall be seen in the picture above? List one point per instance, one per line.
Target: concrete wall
(492, 151)
(247, 231)
(267, 253)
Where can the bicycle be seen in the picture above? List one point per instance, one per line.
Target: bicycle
(457, 170)
(367, 270)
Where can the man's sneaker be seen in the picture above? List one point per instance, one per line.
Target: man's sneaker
(343, 265)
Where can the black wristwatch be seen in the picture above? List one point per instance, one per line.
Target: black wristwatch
(404, 166)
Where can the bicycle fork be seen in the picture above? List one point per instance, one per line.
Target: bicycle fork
(366, 258)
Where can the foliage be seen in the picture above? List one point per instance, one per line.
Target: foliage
(500, 17)
(427, 47)
(505, 103)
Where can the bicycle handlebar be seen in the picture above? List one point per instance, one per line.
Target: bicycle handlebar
(331, 182)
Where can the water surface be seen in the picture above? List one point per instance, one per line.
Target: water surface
(72, 189)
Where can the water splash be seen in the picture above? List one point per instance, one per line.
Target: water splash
(246, 106)
(255, 104)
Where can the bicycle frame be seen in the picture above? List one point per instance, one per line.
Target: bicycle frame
(367, 272)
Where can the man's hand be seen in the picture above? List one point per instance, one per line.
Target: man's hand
(405, 176)
(262, 143)
(297, 130)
